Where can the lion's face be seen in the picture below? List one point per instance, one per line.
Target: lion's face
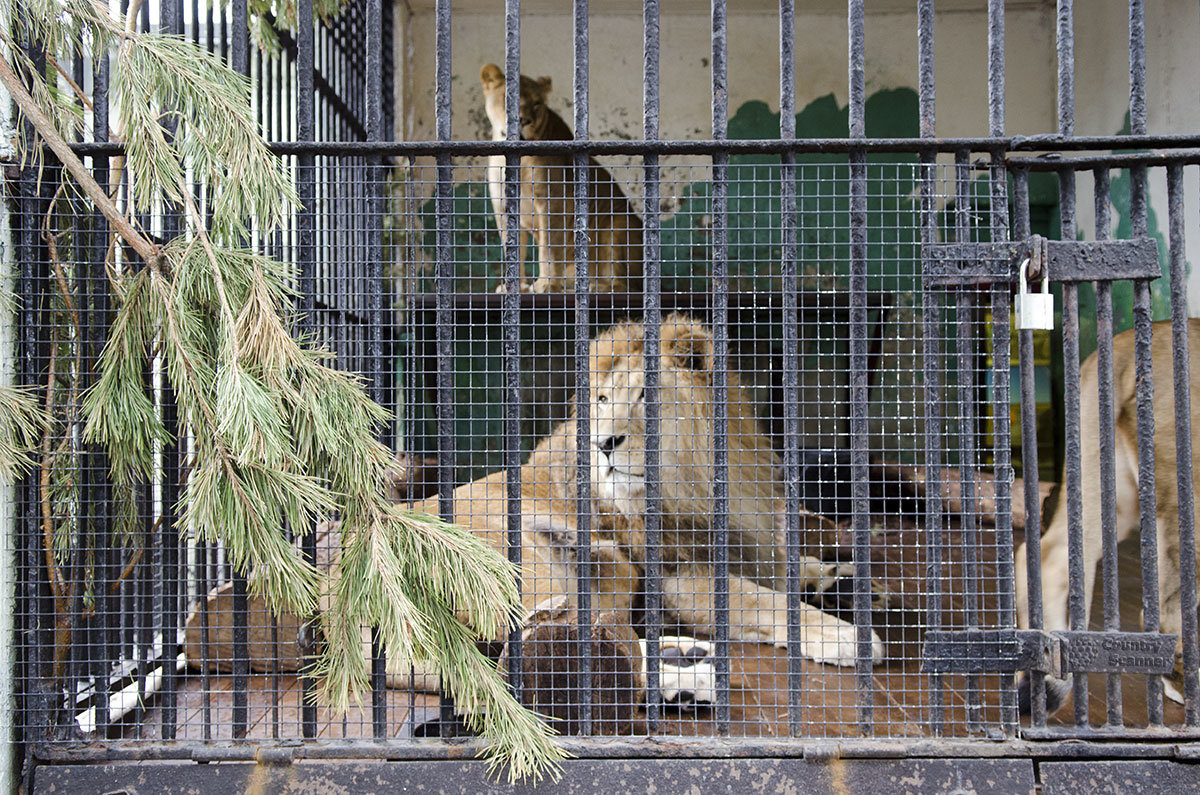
(618, 410)
(618, 440)
(533, 108)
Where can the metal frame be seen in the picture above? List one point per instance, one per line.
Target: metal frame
(351, 128)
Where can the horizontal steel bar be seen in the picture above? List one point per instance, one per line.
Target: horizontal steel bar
(1188, 156)
(493, 302)
(1129, 743)
(745, 145)
(1069, 261)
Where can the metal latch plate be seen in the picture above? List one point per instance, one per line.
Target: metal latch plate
(1068, 260)
(978, 651)
(1117, 652)
(1055, 653)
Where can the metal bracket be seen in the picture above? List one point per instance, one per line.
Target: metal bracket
(1054, 653)
(1066, 260)
(978, 651)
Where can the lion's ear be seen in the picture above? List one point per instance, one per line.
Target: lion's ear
(688, 344)
(490, 75)
(543, 84)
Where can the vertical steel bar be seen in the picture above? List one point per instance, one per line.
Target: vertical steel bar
(791, 362)
(240, 62)
(98, 484)
(1108, 476)
(1147, 496)
(967, 396)
(1181, 349)
(443, 284)
(374, 187)
(512, 312)
(720, 327)
(859, 441)
(1065, 46)
(306, 191)
(931, 356)
(1001, 356)
(583, 443)
(34, 685)
(1029, 462)
(652, 319)
(1075, 573)
(171, 23)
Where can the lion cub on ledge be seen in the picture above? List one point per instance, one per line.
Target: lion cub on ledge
(547, 199)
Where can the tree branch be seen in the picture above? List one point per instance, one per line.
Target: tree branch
(142, 245)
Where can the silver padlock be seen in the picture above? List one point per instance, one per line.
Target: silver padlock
(1035, 311)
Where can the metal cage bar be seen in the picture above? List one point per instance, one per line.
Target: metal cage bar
(1001, 310)
(964, 310)
(956, 402)
(720, 392)
(1144, 373)
(652, 322)
(1181, 349)
(931, 350)
(240, 61)
(791, 363)
(1029, 464)
(512, 317)
(583, 403)
(858, 371)
(444, 316)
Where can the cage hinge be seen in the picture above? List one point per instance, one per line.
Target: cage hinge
(1054, 653)
(1067, 260)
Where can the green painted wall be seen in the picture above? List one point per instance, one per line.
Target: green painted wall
(754, 254)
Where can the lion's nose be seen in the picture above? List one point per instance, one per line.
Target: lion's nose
(608, 445)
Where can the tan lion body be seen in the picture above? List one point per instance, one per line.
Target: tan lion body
(1054, 539)
(547, 199)
(757, 612)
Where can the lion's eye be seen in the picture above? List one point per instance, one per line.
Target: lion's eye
(641, 394)
(601, 398)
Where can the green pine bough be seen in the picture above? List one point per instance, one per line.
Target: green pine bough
(278, 437)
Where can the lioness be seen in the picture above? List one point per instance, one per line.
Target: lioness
(757, 612)
(547, 191)
(1054, 540)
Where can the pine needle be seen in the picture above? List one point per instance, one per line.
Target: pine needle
(21, 423)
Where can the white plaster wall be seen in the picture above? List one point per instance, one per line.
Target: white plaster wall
(1172, 98)
(820, 61)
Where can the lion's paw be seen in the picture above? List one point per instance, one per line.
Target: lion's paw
(686, 672)
(833, 642)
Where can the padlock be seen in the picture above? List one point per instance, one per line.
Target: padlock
(1035, 311)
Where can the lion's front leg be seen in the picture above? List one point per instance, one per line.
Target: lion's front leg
(758, 614)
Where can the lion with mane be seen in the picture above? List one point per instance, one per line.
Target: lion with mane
(757, 609)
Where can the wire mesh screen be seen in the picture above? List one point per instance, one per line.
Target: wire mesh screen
(144, 639)
(746, 439)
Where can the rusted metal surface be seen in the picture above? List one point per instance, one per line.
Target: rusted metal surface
(980, 776)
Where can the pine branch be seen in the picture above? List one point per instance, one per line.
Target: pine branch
(281, 439)
(62, 150)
